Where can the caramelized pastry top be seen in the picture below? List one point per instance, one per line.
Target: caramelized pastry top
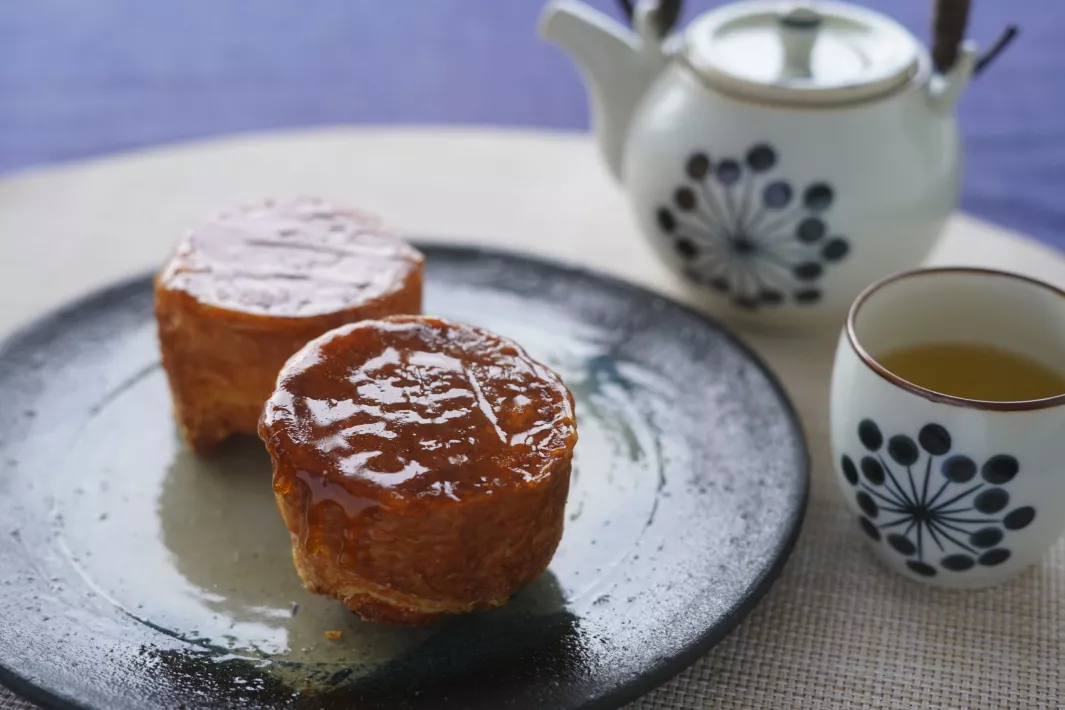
(414, 407)
(295, 259)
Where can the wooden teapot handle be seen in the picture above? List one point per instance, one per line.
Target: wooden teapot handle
(668, 13)
(949, 21)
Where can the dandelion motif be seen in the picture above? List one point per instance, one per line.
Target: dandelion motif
(945, 515)
(742, 232)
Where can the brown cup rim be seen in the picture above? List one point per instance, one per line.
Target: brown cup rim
(872, 364)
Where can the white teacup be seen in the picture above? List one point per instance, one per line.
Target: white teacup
(950, 491)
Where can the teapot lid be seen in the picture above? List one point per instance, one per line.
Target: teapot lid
(801, 52)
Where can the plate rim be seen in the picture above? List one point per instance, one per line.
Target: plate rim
(625, 693)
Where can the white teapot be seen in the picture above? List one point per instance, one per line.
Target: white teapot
(782, 156)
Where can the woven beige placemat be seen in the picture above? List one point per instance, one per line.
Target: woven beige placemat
(839, 631)
(10, 702)
(835, 631)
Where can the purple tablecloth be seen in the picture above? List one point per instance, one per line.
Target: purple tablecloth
(81, 77)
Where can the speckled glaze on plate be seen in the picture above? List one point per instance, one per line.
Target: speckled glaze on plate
(134, 576)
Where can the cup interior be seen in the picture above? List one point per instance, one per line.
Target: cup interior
(963, 306)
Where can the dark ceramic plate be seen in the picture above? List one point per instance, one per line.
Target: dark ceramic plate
(133, 576)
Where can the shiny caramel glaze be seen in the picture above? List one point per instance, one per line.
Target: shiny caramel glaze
(245, 291)
(296, 259)
(411, 408)
(422, 466)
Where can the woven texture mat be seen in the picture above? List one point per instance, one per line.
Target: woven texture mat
(839, 631)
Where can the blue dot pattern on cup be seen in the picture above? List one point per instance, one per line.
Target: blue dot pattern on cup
(933, 506)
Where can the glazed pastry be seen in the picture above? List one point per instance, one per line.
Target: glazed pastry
(245, 291)
(421, 466)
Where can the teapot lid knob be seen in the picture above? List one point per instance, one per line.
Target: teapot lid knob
(798, 28)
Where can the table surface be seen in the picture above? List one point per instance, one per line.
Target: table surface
(835, 631)
(83, 78)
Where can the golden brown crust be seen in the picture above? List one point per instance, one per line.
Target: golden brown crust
(412, 568)
(229, 316)
(488, 431)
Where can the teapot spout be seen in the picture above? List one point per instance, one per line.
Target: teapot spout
(618, 65)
